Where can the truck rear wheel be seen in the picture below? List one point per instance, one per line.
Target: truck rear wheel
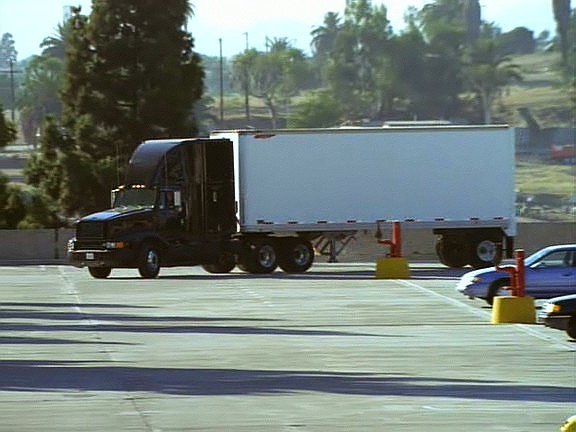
(99, 272)
(148, 261)
(259, 257)
(484, 253)
(451, 253)
(296, 255)
(226, 263)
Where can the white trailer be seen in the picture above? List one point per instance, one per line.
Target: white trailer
(456, 180)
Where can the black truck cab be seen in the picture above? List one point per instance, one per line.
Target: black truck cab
(177, 207)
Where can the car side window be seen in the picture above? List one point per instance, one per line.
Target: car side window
(556, 259)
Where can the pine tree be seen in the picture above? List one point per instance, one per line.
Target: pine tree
(133, 73)
(130, 74)
(7, 130)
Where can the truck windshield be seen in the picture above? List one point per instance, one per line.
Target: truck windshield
(135, 198)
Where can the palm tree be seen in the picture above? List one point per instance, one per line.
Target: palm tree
(278, 44)
(55, 46)
(39, 96)
(324, 37)
(488, 73)
(562, 11)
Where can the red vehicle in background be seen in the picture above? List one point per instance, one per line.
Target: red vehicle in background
(563, 153)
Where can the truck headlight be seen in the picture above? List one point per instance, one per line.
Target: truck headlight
(115, 245)
(71, 245)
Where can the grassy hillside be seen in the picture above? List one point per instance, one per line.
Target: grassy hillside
(541, 91)
(533, 177)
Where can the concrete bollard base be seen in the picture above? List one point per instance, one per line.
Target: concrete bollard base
(513, 310)
(569, 425)
(392, 268)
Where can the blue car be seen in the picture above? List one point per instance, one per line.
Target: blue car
(550, 272)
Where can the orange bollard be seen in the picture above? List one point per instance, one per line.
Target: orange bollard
(396, 242)
(394, 266)
(520, 288)
(517, 309)
(517, 274)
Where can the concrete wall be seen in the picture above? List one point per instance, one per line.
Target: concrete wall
(420, 244)
(44, 245)
(49, 246)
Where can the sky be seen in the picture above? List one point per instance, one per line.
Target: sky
(235, 24)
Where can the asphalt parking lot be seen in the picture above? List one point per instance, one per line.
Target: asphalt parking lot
(331, 350)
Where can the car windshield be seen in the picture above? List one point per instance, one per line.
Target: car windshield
(135, 198)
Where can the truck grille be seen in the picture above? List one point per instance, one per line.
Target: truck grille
(89, 245)
(90, 230)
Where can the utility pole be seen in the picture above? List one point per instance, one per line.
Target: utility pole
(11, 71)
(221, 83)
(12, 91)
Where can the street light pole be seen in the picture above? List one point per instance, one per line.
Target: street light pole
(246, 82)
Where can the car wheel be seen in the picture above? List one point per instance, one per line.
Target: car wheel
(99, 272)
(497, 289)
(571, 328)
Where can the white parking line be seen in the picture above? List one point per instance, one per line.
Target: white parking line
(530, 330)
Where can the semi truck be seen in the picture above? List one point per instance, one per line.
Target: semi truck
(262, 199)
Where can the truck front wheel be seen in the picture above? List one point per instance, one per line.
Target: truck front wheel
(99, 272)
(148, 261)
(259, 257)
(296, 255)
